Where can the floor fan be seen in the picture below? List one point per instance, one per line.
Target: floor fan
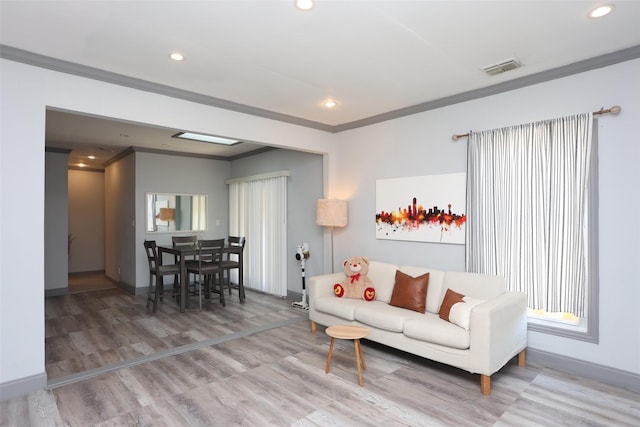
(302, 253)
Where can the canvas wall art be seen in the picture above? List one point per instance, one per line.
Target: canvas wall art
(424, 208)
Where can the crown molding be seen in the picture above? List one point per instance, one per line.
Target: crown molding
(47, 62)
(532, 79)
(30, 58)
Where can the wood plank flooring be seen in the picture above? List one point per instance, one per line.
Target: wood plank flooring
(89, 282)
(275, 376)
(92, 329)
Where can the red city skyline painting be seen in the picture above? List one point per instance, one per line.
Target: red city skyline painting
(401, 215)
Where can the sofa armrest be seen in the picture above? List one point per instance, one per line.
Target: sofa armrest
(322, 286)
(498, 331)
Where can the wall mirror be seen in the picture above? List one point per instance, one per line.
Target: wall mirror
(167, 212)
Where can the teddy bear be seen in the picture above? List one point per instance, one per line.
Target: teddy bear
(357, 284)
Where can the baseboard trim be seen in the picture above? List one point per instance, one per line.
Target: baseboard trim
(601, 373)
(22, 386)
(295, 296)
(57, 292)
(84, 273)
(128, 288)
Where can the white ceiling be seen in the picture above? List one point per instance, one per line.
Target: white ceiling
(106, 138)
(374, 58)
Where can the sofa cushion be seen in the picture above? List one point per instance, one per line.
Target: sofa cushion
(475, 285)
(340, 307)
(384, 316)
(410, 292)
(382, 276)
(450, 298)
(456, 308)
(432, 329)
(436, 289)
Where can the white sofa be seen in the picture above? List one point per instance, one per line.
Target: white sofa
(497, 330)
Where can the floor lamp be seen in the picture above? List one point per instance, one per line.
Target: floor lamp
(332, 213)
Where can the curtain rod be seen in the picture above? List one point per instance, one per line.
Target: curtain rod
(613, 110)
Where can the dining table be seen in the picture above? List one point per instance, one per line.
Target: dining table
(185, 251)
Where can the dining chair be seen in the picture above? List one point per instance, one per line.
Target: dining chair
(232, 264)
(207, 267)
(158, 271)
(182, 241)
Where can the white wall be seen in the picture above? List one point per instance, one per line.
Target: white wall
(304, 187)
(55, 222)
(120, 221)
(21, 230)
(86, 220)
(421, 145)
(159, 173)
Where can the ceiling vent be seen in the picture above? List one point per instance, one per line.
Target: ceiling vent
(502, 66)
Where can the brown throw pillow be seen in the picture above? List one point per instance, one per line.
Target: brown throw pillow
(410, 292)
(450, 298)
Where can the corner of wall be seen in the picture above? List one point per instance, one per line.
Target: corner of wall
(22, 386)
(56, 292)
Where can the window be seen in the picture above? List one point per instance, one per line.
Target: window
(532, 218)
(258, 212)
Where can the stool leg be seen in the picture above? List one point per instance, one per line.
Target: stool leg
(364, 364)
(326, 370)
(356, 344)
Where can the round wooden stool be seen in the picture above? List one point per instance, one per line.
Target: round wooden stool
(348, 332)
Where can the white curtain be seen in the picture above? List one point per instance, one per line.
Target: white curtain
(527, 209)
(258, 211)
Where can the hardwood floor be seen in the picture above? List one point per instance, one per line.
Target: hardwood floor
(89, 330)
(89, 282)
(257, 364)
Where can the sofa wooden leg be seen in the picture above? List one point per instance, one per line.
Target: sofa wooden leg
(313, 327)
(521, 358)
(485, 384)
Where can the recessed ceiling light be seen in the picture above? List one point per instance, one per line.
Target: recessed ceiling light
(304, 4)
(81, 165)
(601, 11)
(330, 103)
(176, 56)
(205, 138)
(91, 157)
